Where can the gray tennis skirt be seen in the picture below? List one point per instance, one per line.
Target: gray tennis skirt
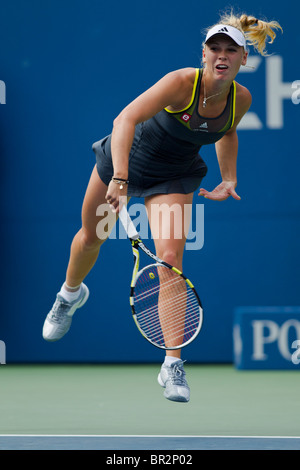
(151, 172)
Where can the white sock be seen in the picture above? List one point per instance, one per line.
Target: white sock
(70, 296)
(170, 359)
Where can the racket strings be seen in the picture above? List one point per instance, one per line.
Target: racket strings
(173, 294)
(167, 309)
(173, 332)
(189, 328)
(172, 312)
(151, 320)
(159, 288)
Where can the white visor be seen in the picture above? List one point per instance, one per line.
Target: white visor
(235, 34)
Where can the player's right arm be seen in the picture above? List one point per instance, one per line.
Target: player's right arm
(172, 89)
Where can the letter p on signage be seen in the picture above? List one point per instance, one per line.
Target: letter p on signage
(264, 332)
(263, 337)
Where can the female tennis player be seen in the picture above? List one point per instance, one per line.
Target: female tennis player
(153, 152)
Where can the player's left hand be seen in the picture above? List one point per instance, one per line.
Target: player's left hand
(221, 192)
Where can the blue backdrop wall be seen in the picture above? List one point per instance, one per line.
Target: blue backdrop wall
(67, 68)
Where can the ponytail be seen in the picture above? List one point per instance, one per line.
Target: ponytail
(256, 31)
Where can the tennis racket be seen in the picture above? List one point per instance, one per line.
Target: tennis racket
(165, 305)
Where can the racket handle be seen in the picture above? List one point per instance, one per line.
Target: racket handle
(128, 224)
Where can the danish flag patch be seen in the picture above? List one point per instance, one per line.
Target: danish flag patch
(186, 117)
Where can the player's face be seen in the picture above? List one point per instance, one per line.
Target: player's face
(223, 57)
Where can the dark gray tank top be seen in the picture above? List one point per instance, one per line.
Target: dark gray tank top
(189, 126)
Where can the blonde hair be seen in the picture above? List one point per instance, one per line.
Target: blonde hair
(256, 31)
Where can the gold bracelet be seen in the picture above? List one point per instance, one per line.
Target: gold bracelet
(120, 181)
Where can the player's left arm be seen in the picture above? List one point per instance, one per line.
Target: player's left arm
(227, 151)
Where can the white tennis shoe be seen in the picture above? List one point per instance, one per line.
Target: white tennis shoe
(59, 319)
(172, 378)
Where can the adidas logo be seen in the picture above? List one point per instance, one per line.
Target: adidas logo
(203, 126)
(223, 30)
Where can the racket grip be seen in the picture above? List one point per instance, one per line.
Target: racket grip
(128, 224)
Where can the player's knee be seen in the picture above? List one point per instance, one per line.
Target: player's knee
(172, 257)
(89, 241)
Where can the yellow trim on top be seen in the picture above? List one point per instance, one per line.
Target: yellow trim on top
(189, 283)
(234, 100)
(193, 96)
(136, 266)
(176, 270)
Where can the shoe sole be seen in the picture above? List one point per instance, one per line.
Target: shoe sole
(159, 380)
(178, 399)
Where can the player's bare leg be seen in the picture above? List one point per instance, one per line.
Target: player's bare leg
(83, 255)
(169, 233)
